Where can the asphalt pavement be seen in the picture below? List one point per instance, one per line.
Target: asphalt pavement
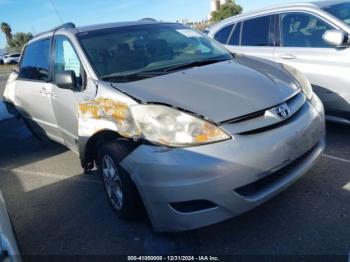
(56, 209)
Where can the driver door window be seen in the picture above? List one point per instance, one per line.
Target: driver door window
(303, 47)
(303, 30)
(66, 59)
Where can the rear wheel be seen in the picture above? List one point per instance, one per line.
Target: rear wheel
(121, 190)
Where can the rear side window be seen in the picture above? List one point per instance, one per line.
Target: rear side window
(256, 32)
(35, 61)
(234, 40)
(223, 34)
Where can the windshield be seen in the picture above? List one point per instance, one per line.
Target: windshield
(341, 11)
(125, 51)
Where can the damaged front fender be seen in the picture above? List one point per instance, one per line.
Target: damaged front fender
(99, 119)
(106, 114)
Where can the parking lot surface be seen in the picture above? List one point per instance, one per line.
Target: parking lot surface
(58, 210)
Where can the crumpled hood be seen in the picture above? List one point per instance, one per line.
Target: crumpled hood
(220, 91)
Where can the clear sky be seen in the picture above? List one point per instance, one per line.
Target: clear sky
(38, 15)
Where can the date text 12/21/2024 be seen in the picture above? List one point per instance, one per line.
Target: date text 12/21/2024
(173, 258)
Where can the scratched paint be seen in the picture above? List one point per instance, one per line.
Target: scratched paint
(106, 114)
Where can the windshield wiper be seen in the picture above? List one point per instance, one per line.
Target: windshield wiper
(133, 74)
(194, 64)
(162, 71)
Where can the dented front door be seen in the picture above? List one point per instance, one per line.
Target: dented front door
(66, 101)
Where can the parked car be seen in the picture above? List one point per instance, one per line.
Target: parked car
(11, 59)
(1, 59)
(170, 117)
(8, 245)
(312, 37)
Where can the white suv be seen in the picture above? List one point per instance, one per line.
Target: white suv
(12, 59)
(312, 37)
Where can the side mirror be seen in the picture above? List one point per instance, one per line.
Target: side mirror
(66, 79)
(336, 38)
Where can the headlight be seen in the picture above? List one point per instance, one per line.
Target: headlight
(171, 127)
(301, 78)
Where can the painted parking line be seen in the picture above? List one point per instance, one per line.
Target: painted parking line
(337, 158)
(52, 176)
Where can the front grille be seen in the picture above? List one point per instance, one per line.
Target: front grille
(257, 114)
(245, 118)
(268, 128)
(274, 126)
(261, 185)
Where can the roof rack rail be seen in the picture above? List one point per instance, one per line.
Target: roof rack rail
(64, 26)
(148, 19)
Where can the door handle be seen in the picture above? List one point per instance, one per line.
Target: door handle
(288, 56)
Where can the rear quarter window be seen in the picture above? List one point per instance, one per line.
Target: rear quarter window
(235, 37)
(223, 34)
(35, 61)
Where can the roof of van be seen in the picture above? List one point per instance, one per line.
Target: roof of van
(118, 24)
(70, 27)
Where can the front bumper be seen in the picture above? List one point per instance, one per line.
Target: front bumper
(221, 180)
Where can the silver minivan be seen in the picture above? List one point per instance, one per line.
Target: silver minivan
(170, 118)
(312, 37)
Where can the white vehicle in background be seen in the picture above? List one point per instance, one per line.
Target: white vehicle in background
(12, 59)
(311, 37)
(8, 246)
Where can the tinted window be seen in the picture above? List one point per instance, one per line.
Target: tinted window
(234, 40)
(66, 59)
(35, 62)
(302, 30)
(341, 11)
(256, 32)
(223, 34)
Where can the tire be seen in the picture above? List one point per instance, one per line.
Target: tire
(121, 190)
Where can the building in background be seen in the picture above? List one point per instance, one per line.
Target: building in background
(215, 5)
(205, 23)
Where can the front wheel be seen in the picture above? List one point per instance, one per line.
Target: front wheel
(121, 190)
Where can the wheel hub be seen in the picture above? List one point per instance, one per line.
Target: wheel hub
(112, 182)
